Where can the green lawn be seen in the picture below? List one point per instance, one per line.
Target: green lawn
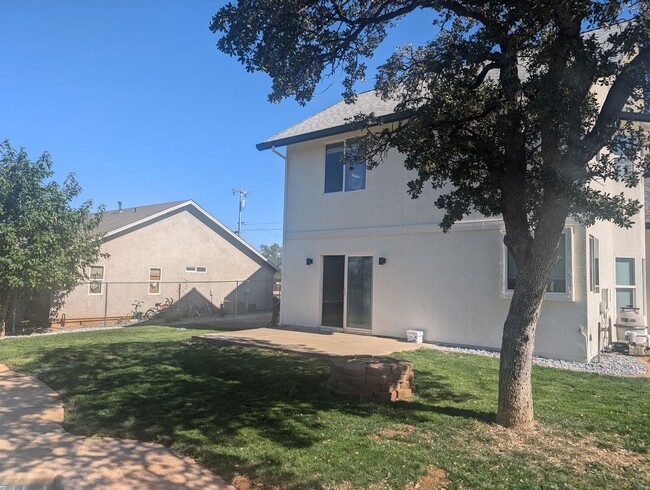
(267, 415)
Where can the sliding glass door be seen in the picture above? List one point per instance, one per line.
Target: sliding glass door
(347, 292)
(359, 297)
(333, 290)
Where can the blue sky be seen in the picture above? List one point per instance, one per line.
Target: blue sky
(135, 99)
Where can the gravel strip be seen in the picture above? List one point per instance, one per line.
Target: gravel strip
(610, 364)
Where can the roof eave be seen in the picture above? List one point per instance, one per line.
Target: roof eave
(324, 133)
(635, 116)
(354, 126)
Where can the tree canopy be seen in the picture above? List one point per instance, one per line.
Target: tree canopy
(272, 253)
(513, 109)
(46, 243)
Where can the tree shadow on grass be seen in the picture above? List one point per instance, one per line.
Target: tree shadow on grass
(436, 392)
(214, 402)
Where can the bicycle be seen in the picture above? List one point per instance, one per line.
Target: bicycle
(136, 314)
(158, 308)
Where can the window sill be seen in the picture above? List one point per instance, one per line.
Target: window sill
(556, 297)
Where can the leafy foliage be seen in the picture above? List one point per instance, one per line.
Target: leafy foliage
(45, 242)
(272, 253)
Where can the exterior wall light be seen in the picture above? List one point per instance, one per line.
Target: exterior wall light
(309, 261)
(382, 260)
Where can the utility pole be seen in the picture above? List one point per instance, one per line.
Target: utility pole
(242, 202)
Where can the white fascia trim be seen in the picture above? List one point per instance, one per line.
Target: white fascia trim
(202, 211)
(373, 231)
(486, 224)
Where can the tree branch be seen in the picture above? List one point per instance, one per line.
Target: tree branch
(618, 95)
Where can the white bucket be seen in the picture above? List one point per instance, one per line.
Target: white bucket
(414, 336)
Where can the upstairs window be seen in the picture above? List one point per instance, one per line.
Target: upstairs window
(557, 282)
(340, 176)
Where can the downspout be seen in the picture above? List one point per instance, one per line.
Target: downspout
(581, 330)
(284, 220)
(273, 149)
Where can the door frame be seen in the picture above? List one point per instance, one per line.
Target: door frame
(345, 328)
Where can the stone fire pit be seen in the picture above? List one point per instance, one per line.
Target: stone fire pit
(380, 378)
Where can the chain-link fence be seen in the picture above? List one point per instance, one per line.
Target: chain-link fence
(99, 303)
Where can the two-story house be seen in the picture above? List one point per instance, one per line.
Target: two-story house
(362, 256)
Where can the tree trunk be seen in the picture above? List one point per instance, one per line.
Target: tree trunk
(515, 409)
(515, 389)
(4, 310)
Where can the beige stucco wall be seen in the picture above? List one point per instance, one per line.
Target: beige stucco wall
(184, 238)
(451, 286)
(616, 242)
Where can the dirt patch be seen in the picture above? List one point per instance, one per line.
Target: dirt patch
(546, 444)
(245, 483)
(435, 479)
(400, 430)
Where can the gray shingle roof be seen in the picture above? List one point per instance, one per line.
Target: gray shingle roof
(333, 120)
(115, 219)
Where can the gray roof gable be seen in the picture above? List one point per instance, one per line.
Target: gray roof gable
(116, 219)
(333, 120)
(117, 222)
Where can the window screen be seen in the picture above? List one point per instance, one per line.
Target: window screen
(334, 168)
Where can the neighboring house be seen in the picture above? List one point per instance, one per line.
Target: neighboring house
(174, 250)
(361, 255)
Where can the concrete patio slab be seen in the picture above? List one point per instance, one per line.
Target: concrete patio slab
(36, 450)
(316, 343)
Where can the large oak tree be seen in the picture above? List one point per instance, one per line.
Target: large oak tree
(499, 113)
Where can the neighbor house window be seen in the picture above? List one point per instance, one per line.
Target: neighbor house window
(625, 283)
(96, 276)
(558, 280)
(594, 265)
(196, 268)
(155, 273)
(340, 176)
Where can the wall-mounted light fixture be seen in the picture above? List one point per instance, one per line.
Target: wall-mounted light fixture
(309, 261)
(382, 260)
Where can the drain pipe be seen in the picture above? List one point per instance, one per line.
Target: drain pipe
(274, 150)
(581, 330)
(284, 217)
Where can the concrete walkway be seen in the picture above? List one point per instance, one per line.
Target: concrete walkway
(317, 343)
(35, 449)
